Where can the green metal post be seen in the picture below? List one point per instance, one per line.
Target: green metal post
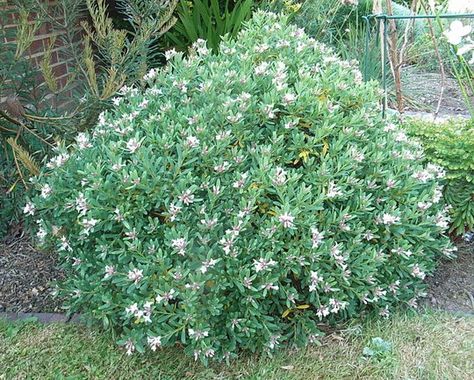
(366, 55)
(385, 57)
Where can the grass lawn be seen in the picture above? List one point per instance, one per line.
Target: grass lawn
(432, 345)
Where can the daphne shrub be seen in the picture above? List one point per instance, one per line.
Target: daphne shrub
(240, 200)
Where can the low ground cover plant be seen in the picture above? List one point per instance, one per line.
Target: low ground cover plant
(241, 199)
(451, 145)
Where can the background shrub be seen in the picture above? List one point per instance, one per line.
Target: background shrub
(451, 145)
(240, 199)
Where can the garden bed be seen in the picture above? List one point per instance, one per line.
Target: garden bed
(27, 276)
(422, 91)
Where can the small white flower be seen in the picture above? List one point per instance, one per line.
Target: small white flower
(289, 98)
(357, 156)
(316, 237)
(197, 334)
(417, 272)
(154, 342)
(291, 124)
(240, 183)
(130, 347)
(57, 161)
(269, 111)
(81, 204)
(169, 54)
(270, 286)
(423, 176)
(76, 261)
(322, 312)
(200, 47)
(388, 219)
(192, 142)
(82, 141)
(424, 205)
(437, 195)
(132, 309)
(150, 75)
(187, 197)
(390, 127)
(333, 191)
(46, 191)
(401, 137)
(174, 211)
(209, 224)
(336, 305)
(209, 353)
(88, 225)
(207, 264)
(29, 209)
(64, 246)
(135, 275)
(166, 297)
(263, 264)
(109, 271)
(132, 145)
(315, 280)
(279, 177)
(261, 48)
(221, 168)
(385, 312)
(261, 69)
(41, 234)
(234, 119)
(286, 220)
(180, 245)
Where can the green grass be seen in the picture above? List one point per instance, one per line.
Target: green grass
(424, 346)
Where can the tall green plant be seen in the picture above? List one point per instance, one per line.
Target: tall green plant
(207, 19)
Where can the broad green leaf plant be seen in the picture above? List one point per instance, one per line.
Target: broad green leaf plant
(207, 19)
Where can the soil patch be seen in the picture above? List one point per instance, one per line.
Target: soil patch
(452, 286)
(26, 278)
(422, 89)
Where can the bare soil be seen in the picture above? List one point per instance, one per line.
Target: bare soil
(452, 286)
(422, 91)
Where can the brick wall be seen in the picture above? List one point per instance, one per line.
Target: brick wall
(61, 62)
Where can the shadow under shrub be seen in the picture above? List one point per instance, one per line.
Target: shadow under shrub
(239, 200)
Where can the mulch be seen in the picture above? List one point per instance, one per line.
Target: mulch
(27, 278)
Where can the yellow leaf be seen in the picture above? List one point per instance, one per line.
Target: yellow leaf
(286, 313)
(323, 96)
(325, 148)
(302, 306)
(304, 154)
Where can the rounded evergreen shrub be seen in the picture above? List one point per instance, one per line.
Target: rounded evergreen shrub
(240, 200)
